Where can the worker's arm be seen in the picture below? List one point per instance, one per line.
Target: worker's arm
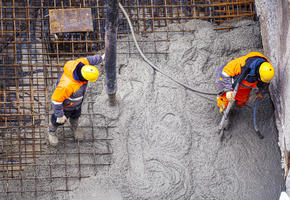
(59, 95)
(230, 70)
(57, 108)
(96, 59)
(232, 73)
(227, 81)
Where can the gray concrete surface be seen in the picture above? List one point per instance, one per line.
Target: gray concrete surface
(165, 141)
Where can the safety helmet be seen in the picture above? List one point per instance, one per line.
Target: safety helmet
(90, 73)
(266, 72)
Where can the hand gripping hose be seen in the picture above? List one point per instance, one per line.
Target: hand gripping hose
(226, 112)
(154, 66)
(230, 104)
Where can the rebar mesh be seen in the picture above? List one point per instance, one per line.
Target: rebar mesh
(31, 60)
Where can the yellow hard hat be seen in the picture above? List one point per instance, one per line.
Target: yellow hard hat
(90, 73)
(266, 72)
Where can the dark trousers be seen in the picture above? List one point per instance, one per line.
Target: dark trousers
(74, 114)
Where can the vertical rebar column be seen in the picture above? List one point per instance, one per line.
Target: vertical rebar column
(111, 34)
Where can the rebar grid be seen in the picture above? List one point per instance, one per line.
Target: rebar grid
(31, 59)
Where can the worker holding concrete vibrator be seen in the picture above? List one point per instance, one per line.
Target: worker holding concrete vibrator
(248, 71)
(68, 95)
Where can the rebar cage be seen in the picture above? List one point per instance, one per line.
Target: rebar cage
(31, 59)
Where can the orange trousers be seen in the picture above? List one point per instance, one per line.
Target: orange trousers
(242, 96)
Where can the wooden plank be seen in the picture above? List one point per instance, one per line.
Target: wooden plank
(70, 20)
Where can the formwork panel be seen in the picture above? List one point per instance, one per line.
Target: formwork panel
(70, 20)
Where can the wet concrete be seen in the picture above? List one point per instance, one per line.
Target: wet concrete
(165, 141)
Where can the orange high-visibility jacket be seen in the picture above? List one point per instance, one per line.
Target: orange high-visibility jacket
(67, 84)
(234, 67)
(228, 73)
(69, 92)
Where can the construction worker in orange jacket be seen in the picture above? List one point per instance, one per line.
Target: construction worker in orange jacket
(68, 95)
(251, 70)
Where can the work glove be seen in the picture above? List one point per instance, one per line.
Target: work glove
(61, 120)
(258, 96)
(229, 96)
(222, 108)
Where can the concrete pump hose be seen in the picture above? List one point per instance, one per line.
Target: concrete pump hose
(154, 66)
(255, 115)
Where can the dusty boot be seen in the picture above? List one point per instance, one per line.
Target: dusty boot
(78, 134)
(52, 137)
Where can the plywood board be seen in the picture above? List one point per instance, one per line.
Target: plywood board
(70, 20)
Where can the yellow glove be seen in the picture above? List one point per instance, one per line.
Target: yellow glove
(229, 96)
(61, 120)
(222, 108)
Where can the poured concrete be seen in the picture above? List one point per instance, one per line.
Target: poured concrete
(165, 141)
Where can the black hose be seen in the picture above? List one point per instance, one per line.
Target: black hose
(154, 66)
(255, 119)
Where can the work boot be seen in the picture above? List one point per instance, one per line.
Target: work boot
(52, 137)
(78, 134)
